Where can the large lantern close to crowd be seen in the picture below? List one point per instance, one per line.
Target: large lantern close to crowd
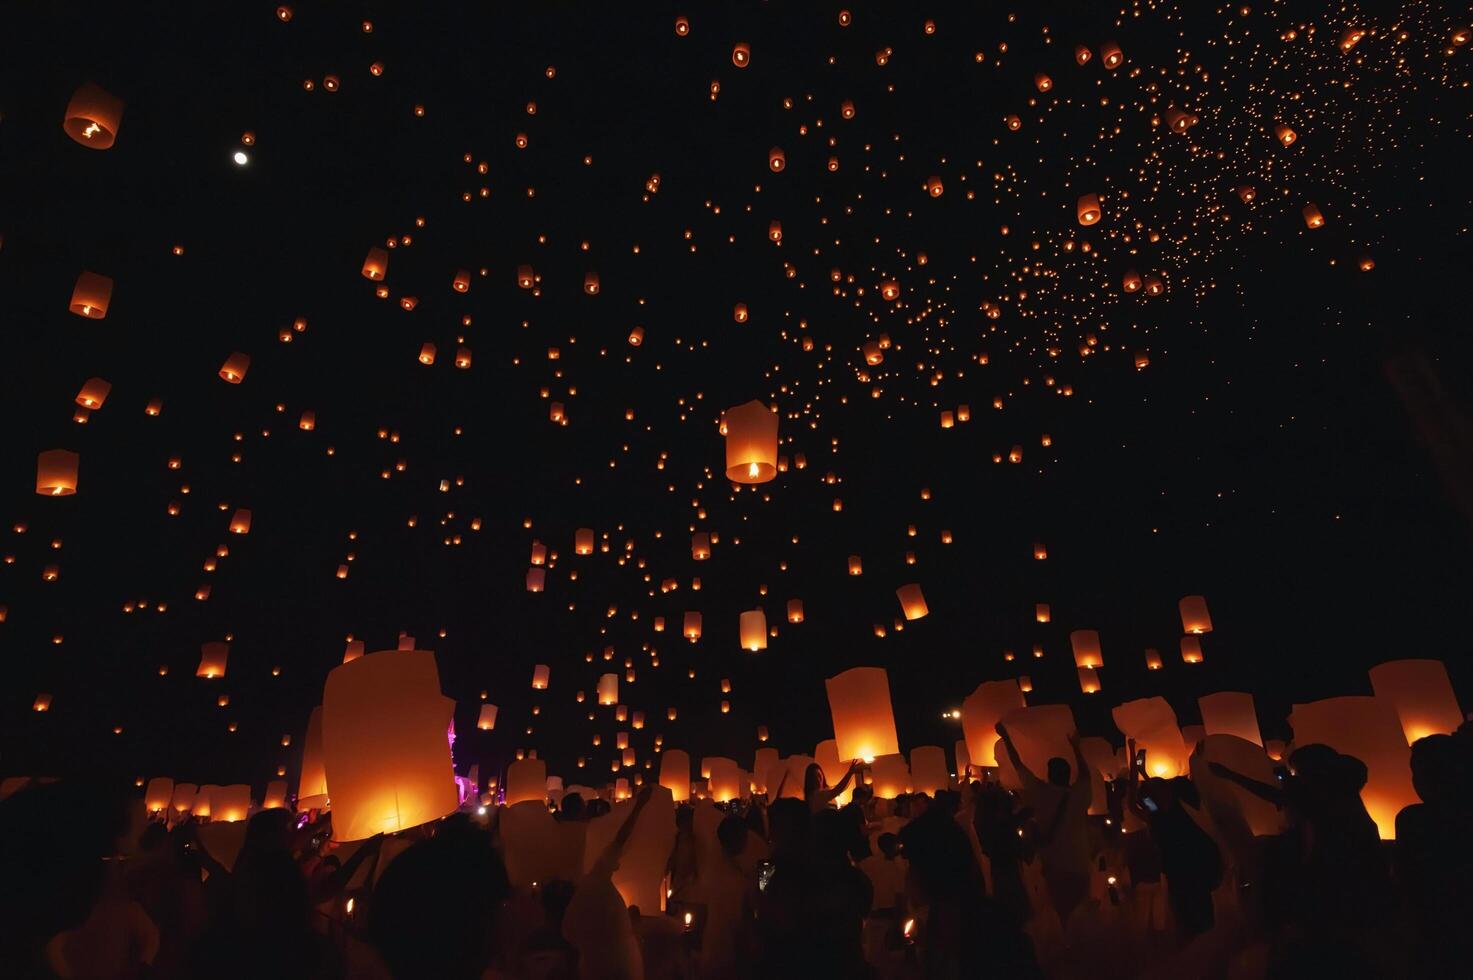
(864, 720)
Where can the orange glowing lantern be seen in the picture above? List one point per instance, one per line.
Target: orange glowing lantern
(691, 626)
(539, 677)
(890, 776)
(1230, 713)
(487, 720)
(795, 610)
(536, 578)
(1089, 681)
(583, 541)
(92, 117)
(1312, 217)
(1285, 135)
(700, 546)
(752, 628)
(376, 265)
(212, 657)
(675, 773)
(608, 689)
(1368, 729)
(1111, 55)
(741, 55)
(1088, 209)
(159, 794)
(526, 780)
(776, 160)
(1191, 649)
(91, 295)
(864, 721)
(981, 711)
(56, 473)
(1152, 723)
(312, 783)
(1086, 646)
(751, 443)
(912, 602)
(235, 367)
(1421, 695)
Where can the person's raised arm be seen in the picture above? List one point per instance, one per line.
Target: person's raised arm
(1024, 773)
(1264, 791)
(1132, 785)
(609, 860)
(340, 878)
(1081, 767)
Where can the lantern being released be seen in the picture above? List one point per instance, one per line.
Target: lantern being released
(890, 776)
(312, 784)
(981, 711)
(56, 473)
(1152, 723)
(159, 794)
(751, 443)
(864, 721)
(1420, 694)
(90, 295)
(385, 744)
(1088, 209)
(1230, 713)
(928, 772)
(235, 367)
(1369, 730)
(675, 773)
(93, 116)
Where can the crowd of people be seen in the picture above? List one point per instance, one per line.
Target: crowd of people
(979, 881)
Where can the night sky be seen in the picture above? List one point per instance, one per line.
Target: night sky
(1297, 450)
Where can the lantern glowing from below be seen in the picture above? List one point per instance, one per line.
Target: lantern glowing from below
(526, 779)
(92, 117)
(583, 541)
(675, 773)
(1194, 615)
(240, 521)
(386, 754)
(1421, 695)
(230, 804)
(1191, 649)
(1152, 723)
(608, 689)
(487, 720)
(912, 602)
(691, 627)
(1368, 729)
(212, 658)
(928, 772)
(889, 776)
(275, 795)
(539, 677)
(751, 443)
(724, 778)
(1088, 209)
(56, 473)
(90, 295)
(376, 265)
(159, 794)
(981, 711)
(312, 783)
(752, 628)
(864, 720)
(1086, 646)
(1089, 681)
(795, 610)
(235, 367)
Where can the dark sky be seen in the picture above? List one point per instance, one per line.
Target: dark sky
(1263, 459)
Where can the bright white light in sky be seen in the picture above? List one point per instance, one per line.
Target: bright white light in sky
(241, 159)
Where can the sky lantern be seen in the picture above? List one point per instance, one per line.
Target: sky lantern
(774, 230)
(376, 265)
(608, 689)
(158, 794)
(352, 650)
(700, 546)
(235, 367)
(1041, 613)
(675, 773)
(1013, 123)
(1285, 135)
(739, 313)
(776, 160)
(912, 602)
(1131, 281)
(724, 779)
(1312, 217)
(1153, 284)
(751, 443)
(981, 711)
(889, 776)
(741, 54)
(526, 780)
(928, 770)
(1191, 649)
(275, 796)
(753, 630)
(1194, 615)
(1043, 83)
(92, 117)
(1089, 681)
(826, 754)
(864, 720)
(462, 281)
(385, 745)
(873, 355)
(856, 565)
(56, 473)
(691, 626)
(1082, 54)
(185, 795)
(963, 759)
(90, 295)
(590, 283)
(1039, 733)
(1152, 723)
(536, 578)
(1368, 729)
(539, 677)
(1230, 713)
(1088, 209)
(230, 804)
(312, 782)
(583, 541)
(427, 353)
(212, 657)
(846, 109)
(934, 187)
(1110, 55)
(1142, 360)
(526, 278)
(1086, 646)
(486, 721)
(795, 610)
(1421, 695)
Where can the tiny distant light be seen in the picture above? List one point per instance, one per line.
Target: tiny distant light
(480, 811)
(241, 158)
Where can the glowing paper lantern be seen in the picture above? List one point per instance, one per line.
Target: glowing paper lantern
(1111, 55)
(202, 799)
(159, 794)
(608, 689)
(385, 745)
(646, 854)
(1089, 681)
(889, 776)
(776, 160)
(235, 367)
(723, 777)
(376, 265)
(185, 795)
(230, 804)
(826, 754)
(583, 541)
(1153, 659)
(1088, 209)
(1039, 733)
(1420, 694)
(1086, 646)
(691, 627)
(275, 796)
(1230, 713)
(312, 783)
(751, 443)
(928, 772)
(352, 651)
(1368, 729)
(1227, 802)
(240, 521)
(981, 711)
(1194, 615)
(92, 117)
(700, 546)
(741, 56)
(487, 720)
(912, 603)
(675, 773)
(1152, 723)
(536, 578)
(1312, 217)
(864, 722)
(56, 473)
(539, 677)
(963, 759)
(90, 295)
(526, 779)
(1191, 649)
(753, 629)
(212, 657)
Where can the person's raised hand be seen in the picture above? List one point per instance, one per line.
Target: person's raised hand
(1001, 729)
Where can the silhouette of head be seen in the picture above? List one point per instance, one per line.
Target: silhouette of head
(1438, 768)
(732, 833)
(889, 845)
(572, 807)
(1058, 771)
(787, 825)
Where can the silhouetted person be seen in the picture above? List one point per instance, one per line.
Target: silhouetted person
(1434, 854)
(1061, 814)
(1190, 858)
(432, 912)
(816, 791)
(998, 825)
